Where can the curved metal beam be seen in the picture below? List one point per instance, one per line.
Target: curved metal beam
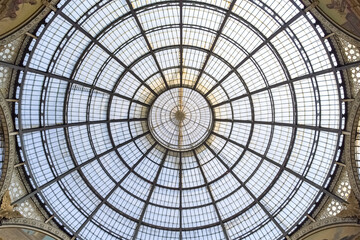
(88, 219)
(303, 178)
(317, 128)
(147, 42)
(264, 43)
(58, 178)
(105, 49)
(248, 190)
(296, 79)
(226, 235)
(221, 28)
(149, 195)
(69, 80)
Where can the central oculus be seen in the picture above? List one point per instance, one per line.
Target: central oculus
(180, 115)
(180, 119)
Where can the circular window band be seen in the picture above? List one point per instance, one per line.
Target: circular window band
(180, 119)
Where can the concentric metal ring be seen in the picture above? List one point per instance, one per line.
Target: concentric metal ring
(180, 119)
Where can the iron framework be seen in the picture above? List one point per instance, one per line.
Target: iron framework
(85, 93)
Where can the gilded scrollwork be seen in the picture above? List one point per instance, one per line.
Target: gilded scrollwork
(7, 210)
(352, 209)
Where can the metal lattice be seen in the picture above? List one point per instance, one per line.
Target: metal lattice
(254, 161)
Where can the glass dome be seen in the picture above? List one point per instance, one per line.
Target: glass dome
(180, 119)
(204, 119)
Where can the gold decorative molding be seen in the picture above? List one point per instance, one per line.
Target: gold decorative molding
(352, 209)
(7, 210)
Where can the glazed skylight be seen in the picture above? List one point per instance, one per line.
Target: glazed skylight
(267, 158)
(180, 119)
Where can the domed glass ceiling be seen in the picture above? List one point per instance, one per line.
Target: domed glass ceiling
(179, 119)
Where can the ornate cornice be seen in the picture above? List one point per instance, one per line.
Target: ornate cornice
(351, 167)
(35, 225)
(10, 148)
(322, 225)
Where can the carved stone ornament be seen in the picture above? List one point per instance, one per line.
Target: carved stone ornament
(35, 226)
(7, 210)
(309, 232)
(349, 150)
(9, 148)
